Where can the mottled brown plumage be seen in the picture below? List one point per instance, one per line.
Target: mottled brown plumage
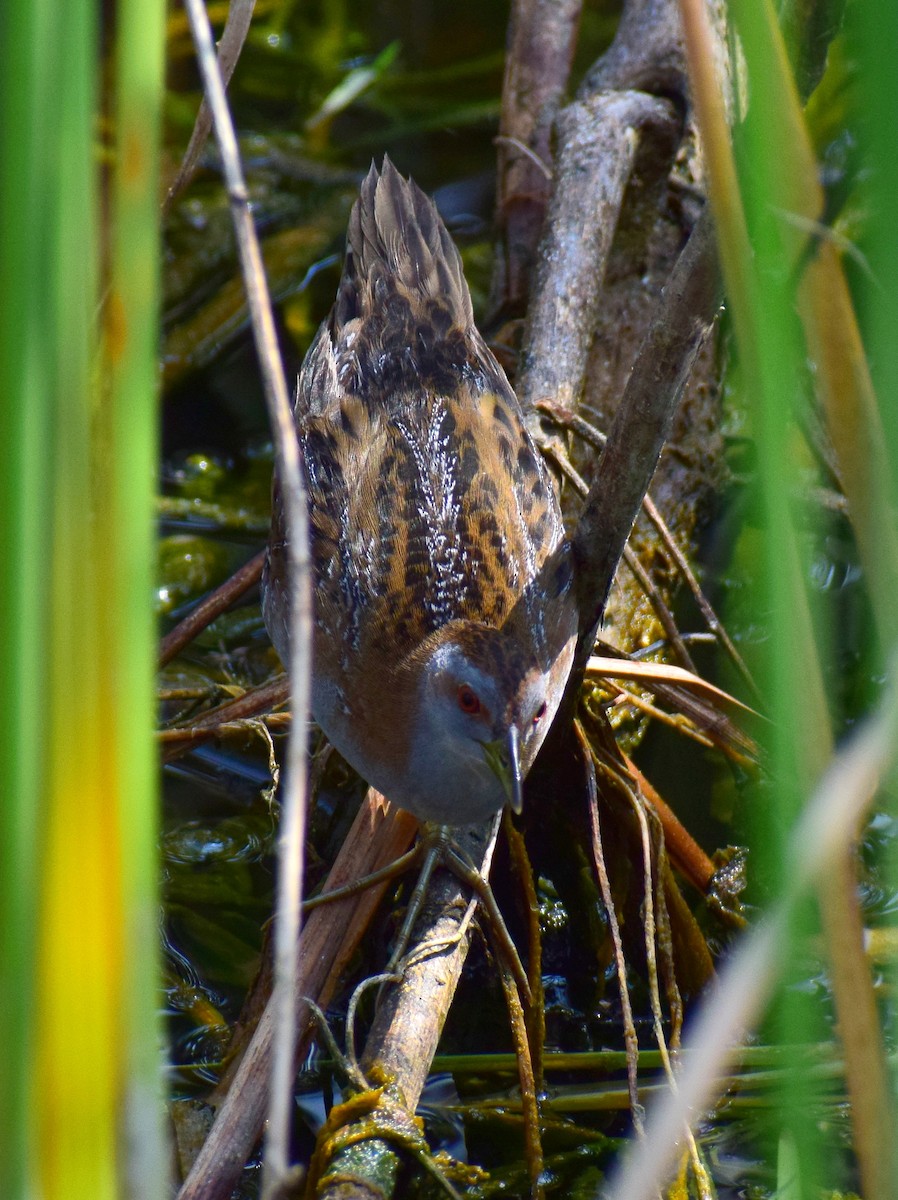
(441, 572)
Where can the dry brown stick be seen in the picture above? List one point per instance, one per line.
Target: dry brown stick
(181, 738)
(687, 309)
(203, 691)
(866, 1071)
(655, 946)
(599, 140)
(240, 14)
(533, 1147)
(522, 871)
(598, 856)
(180, 741)
(210, 607)
(411, 1013)
(541, 41)
(329, 938)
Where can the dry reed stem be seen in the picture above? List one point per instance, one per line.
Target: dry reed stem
(210, 607)
(329, 939)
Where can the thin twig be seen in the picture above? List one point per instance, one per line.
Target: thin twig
(210, 607)
(533, 1149)
(240, 14)
(522, 871)
(598, 855)
(287, 456)
(542, 167)
(711, 618)
(638, 806)
(180, 741)
(662, 612)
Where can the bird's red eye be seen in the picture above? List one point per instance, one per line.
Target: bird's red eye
(468, 700)
(540, 713)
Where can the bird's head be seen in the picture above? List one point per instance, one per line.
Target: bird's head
(480, 716)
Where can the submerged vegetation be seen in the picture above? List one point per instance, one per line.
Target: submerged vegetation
(755, 702)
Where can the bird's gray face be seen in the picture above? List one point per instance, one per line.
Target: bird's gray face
(474, 737)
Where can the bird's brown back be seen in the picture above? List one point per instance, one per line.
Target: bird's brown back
(428, 501)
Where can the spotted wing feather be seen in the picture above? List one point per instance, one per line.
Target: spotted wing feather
(428, 501)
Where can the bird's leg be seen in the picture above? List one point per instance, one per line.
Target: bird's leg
(459, 863)
(442, 849)
(396, 867)
(433, 845)
(438, 847)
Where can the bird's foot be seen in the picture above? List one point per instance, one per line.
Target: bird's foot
(370, 1111)
(396, 867)
(441, 847)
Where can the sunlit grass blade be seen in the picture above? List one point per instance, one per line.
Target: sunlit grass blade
(871, 33)
(77, 872)
(769, 202)
(126, 528)
(25, 78)
(782, 192)
(79, 945)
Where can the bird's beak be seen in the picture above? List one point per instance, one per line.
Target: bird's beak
(504, 758)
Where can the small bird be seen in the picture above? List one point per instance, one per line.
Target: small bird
(444, 605)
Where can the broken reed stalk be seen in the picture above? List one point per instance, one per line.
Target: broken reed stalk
(217, 602)
(411, 1013)
(330, 937)
(686, 311)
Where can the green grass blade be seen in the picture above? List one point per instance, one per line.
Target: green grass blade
(127, 532)
(25, 79)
